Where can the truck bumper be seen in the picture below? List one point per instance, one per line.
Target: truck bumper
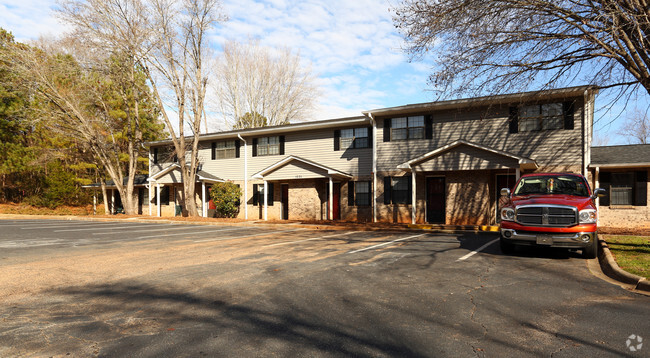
(573, 240)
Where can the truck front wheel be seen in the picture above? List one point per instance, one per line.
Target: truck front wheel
(507, 248)
(591, 251)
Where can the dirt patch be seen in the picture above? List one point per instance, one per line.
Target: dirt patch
(640, 231)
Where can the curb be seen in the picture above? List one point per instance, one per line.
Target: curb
(611, 269)
(444, 229)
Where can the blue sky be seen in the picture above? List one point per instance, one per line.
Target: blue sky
(352, 46)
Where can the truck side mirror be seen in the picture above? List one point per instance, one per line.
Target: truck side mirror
(599, 192)
(505, 192)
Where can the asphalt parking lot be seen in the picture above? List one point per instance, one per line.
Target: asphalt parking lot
(85, 288)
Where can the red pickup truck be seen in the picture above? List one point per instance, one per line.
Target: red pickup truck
(550, 209)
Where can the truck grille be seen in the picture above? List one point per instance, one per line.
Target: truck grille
(545, 215)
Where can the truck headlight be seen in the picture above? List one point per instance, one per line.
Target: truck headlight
(508, 214)
(587, 216)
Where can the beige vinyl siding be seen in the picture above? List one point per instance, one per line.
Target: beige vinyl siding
(314, 145)
(296, 170)
(487, 127)
(465, 157)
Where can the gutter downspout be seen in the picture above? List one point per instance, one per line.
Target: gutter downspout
(374, 167)
(245, 176)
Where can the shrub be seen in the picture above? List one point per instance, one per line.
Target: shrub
(225, 197)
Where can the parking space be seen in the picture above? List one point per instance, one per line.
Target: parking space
(133, 288)
(32, 234)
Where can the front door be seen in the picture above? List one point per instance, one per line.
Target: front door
(285, 201)
(436, 200)
(336, 205)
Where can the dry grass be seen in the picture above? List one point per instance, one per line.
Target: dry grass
(24, 209)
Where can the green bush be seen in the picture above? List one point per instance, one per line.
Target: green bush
(225, 197)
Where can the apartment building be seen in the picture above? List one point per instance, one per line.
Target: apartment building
(440, 162)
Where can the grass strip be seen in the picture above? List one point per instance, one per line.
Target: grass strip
(632, 253)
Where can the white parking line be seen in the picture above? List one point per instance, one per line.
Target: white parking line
(385, 243)
(154, 228)
(187, 233)
(246, 236)
(68, 224)
(313, 238)
(101, 227)
(477, 250)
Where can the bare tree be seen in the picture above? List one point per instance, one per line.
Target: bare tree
(636, 127)
(82, 105)
(127, 34)
(255, 81)
(168, 38)
(178, 62)
(500, 45)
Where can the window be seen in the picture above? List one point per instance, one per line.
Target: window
(224, 150)
(541, 117)
(359, 193)
(267, 146)
(397, 190)
(407, 128)
(354, 138)
(624, 188)
(621, 190)
(258, 194)
(155, 155)
(164, 195)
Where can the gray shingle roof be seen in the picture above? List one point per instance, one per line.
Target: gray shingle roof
(620, 154)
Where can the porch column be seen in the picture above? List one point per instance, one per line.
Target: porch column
(158, 199)
(266, 201)
(150, 188)
(205, 208)
(112, 201)
(517, 173)
(330, 204)
(413, 201)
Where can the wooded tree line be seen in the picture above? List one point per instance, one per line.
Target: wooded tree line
(131, 71)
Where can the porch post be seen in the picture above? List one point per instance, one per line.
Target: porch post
(150, 187)
(517, 173)
(205, 208)
(158, 199)
(330, 204)
(266, 201)
(413, 196)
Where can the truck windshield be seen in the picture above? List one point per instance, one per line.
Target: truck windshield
(567, 185)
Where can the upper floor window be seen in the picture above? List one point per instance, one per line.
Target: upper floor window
(268, 146)
(351, 138)
(155, 155)
(224, 150)
(538, 117)
(406, 128)
(541, 117)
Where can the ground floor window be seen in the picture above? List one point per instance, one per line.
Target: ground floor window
(164, 195)
(359, 193)
(258, 194)
(397, 190)
(624, 188)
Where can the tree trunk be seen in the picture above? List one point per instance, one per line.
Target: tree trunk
(105, 198)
